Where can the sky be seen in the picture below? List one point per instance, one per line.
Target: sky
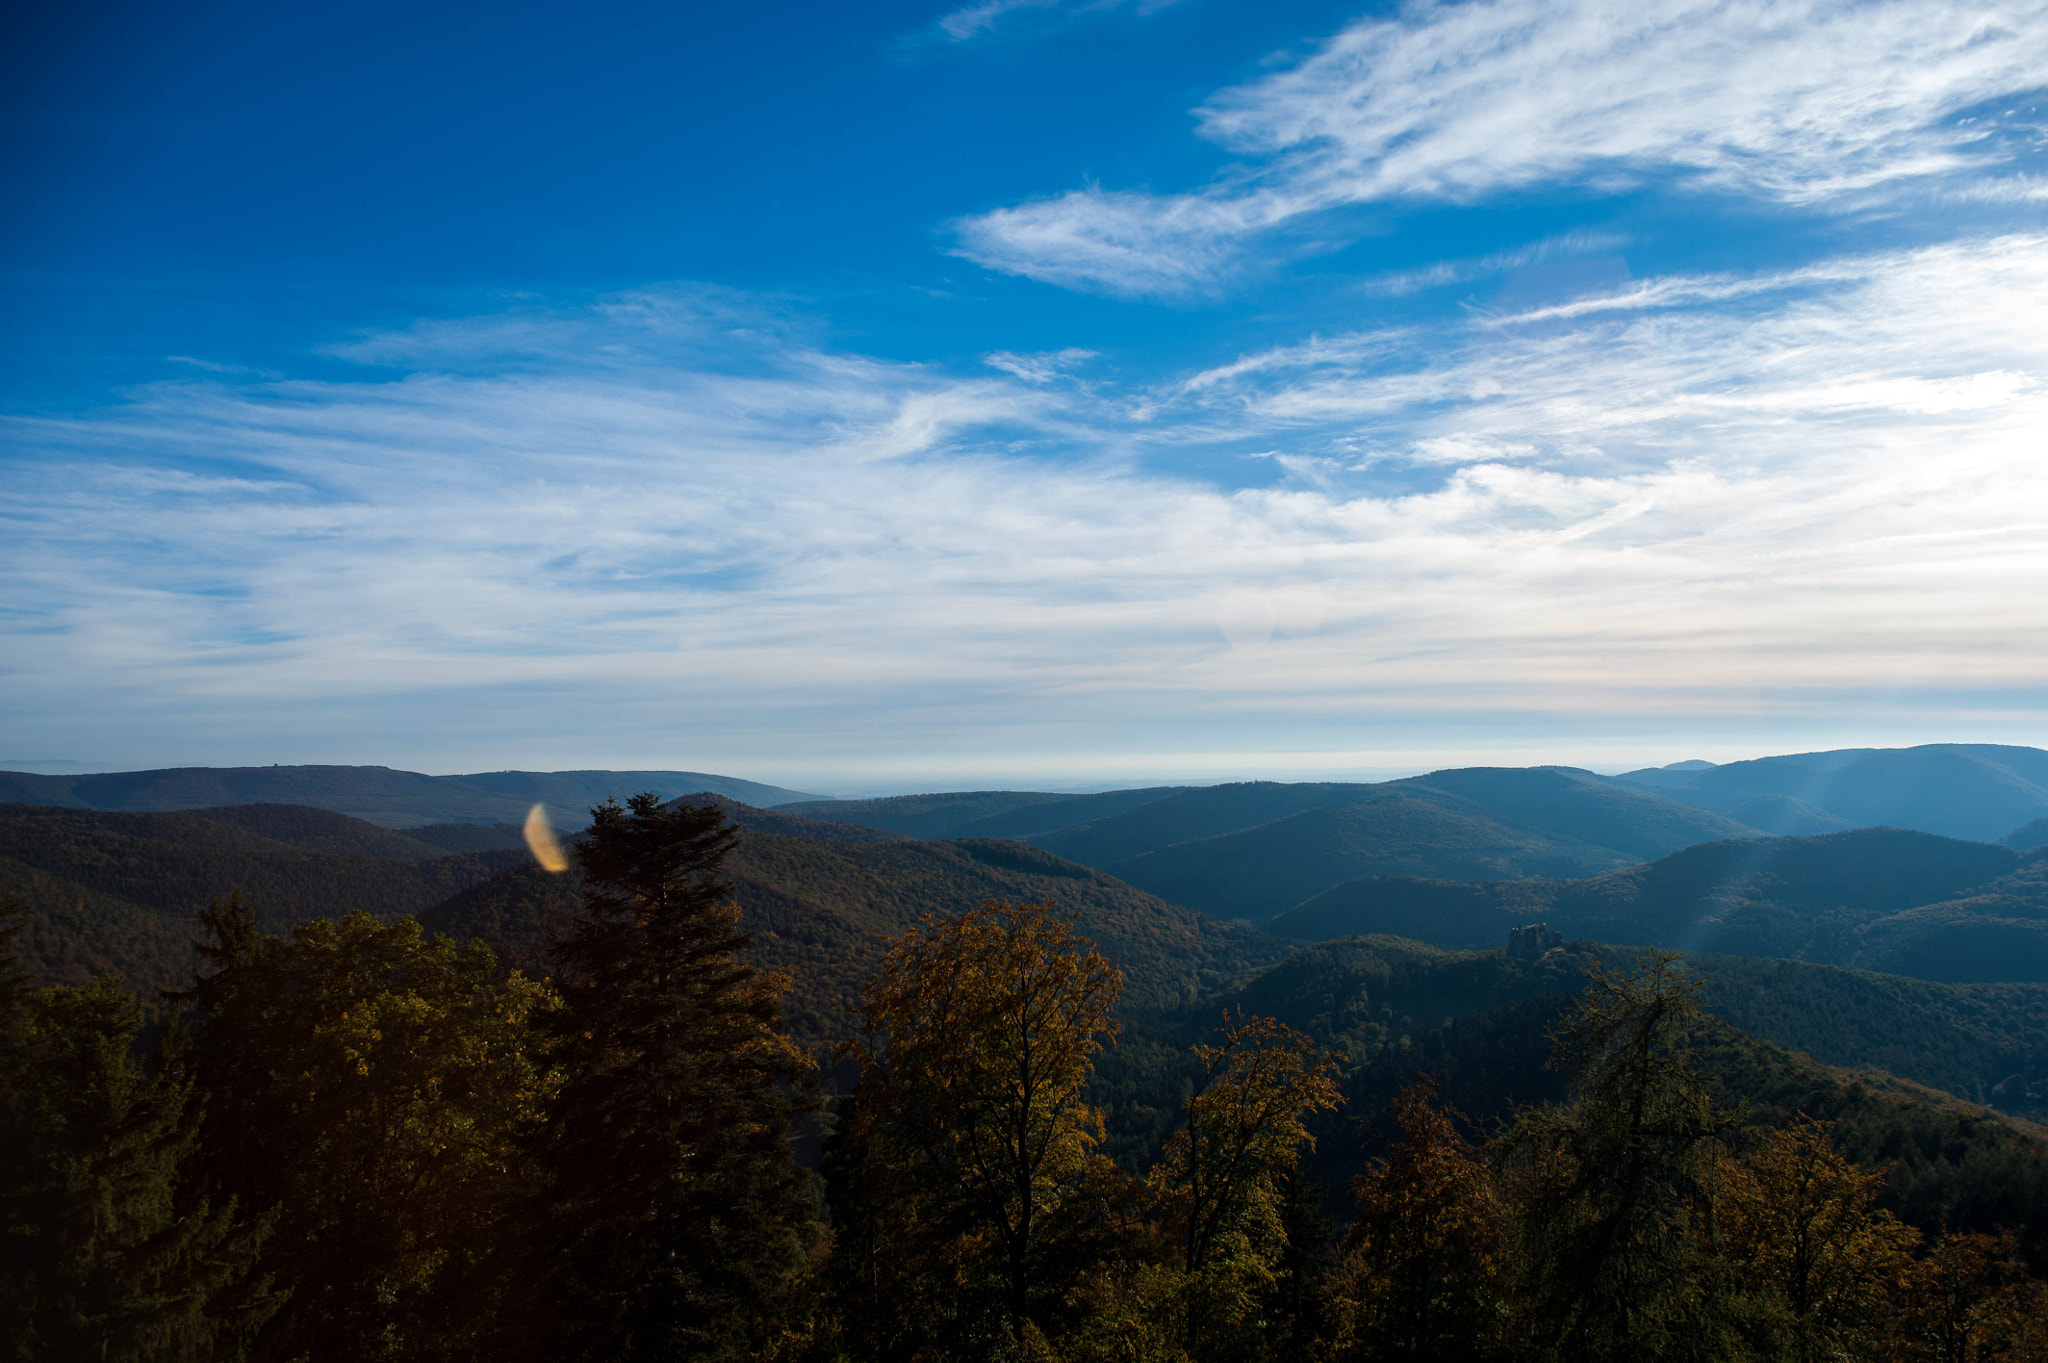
(1063, 392)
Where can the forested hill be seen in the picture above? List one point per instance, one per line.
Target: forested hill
(1884, 899)
(1248, 850)
(1560, 803)
(123, 892)
(379, 795)
(824, 911)
(1981, 791)
(1483, 1022)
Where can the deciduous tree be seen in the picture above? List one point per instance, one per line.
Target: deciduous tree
(979, 1037)
(376, 1088)
(1816, 1259)
(1220, 1183)
(1422, 1271)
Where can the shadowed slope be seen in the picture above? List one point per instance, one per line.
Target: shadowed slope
(1911, 902)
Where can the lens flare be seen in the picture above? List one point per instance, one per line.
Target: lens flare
(541, 841)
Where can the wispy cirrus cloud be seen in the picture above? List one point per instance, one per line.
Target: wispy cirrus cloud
(986, 16)
(677, 530)
(1796, 102)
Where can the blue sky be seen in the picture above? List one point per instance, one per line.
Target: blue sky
(869, 396)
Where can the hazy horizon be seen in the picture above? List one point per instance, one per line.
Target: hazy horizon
(967, 779)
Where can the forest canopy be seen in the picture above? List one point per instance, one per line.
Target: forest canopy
(360, 1140)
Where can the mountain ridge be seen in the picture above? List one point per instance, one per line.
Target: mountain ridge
(381, 795)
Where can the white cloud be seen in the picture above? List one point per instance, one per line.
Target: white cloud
(984, 17)
(971, 21)
(1763, 499)
(1041, 368)
(1792, 101)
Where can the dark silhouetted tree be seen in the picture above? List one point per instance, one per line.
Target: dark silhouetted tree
(378, 1090)
(109, 1249)
(1421, 1275)
(676, 1217)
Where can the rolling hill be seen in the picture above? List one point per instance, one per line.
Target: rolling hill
(1259, 872)
(123, 892)
(979, 813)
(1911, 903)
(1112, 826)
(1981, 791)
(378, 795)
(825, 910)
(1481, 1023)
(1985, 1043)
(1254, 849)
(1566, 802)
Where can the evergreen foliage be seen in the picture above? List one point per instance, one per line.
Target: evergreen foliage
(109, 1247)
(1613, 1186)
(675, 1216)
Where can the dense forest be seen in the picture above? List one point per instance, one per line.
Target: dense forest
(359, 1140)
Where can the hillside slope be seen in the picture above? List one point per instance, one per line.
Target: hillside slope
(1986, 1043)
(1912, 903)
(825, 910)
(1566, 802)
(1259, 872)
(979, 813)
(1482, 1023)
(1981, 791)
(123, 891)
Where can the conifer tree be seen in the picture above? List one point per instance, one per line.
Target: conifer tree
(1612, 1216)
(675, 1213)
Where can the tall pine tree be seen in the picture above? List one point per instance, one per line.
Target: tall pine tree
(676, 1214)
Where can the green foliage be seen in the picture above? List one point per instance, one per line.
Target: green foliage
(108, 1247)
(1986, 1043)
(377, 1089)
(675, 1218)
